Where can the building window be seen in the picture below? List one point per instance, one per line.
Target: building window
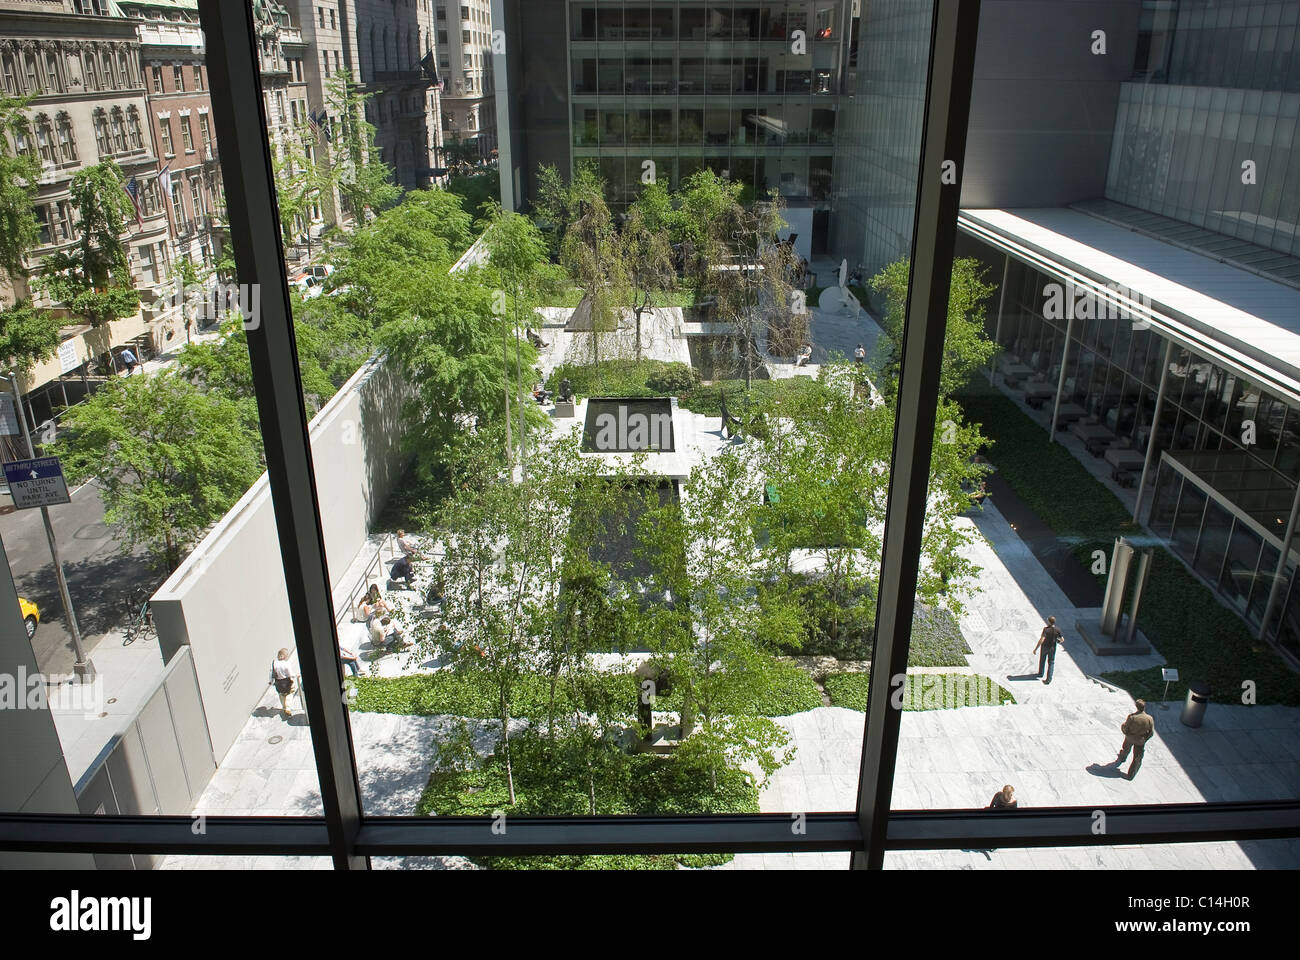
(119, 131)
(155, 74)
(43, 222)
(205, 132)
(92, 73)
(165, 135)
(33, 80)
(44, 139)
(464, 37)
(187, 135)
(178, 208)
(67, 145)
(332, 22)
(198, 76)
(124, 71)
(442, 38)
(325, 61)
(178, 77)
(133, 129)
(101, 133)
(338, 64)
(62, 221)
(53, 76)
(10, 77)
(196, 197)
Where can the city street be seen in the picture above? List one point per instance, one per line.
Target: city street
(100, 577)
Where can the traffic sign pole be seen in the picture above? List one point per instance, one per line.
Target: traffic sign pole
(83, 668)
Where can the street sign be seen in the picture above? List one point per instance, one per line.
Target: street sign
(36, 483)
(68, 359)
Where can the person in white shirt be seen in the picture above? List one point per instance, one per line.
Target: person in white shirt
(407, 545)
(282, 679)
(348, 653)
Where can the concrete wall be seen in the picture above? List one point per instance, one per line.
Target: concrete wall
(1043, 105)
(228, 600)
(35, 776)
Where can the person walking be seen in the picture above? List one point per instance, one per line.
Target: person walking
(1046, 646)
(1004, 799)
(860, 354)
(282, 679)
(1138, 727)
(129, 359)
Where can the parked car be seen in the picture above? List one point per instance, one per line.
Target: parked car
(31, 615)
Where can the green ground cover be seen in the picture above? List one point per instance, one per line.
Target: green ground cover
(472, 695)
(1181, 616)
(922, 691)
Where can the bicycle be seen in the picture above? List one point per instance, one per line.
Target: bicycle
(140, 619)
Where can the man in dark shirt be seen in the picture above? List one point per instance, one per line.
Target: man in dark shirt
(1046, 648)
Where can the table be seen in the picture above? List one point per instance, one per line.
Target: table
(1068, 413)
(1125, 458)
(1094, 436)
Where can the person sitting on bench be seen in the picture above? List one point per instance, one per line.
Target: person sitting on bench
(804, 356)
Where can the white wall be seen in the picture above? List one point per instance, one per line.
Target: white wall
(228, 599)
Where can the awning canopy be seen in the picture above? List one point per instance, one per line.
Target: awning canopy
(1236, 318)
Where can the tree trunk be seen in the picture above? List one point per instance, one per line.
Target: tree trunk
(505, 384)
(505, 742)
(519, 392)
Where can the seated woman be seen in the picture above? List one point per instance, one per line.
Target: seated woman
(372, 605)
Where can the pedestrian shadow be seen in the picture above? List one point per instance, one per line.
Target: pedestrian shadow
(1023, 676)
(1109, 771)
(988, 852)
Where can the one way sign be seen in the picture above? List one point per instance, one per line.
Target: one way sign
(36, 483)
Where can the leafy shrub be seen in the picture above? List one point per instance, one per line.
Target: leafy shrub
(673, 379)
(553, 780)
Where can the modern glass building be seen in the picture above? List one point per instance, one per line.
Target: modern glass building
(750, 90)
(1180, 360)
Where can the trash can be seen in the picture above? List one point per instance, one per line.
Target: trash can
(1198, 695)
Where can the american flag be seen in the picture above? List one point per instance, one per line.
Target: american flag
(133, 191)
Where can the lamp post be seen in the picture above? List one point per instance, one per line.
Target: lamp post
(83, 668)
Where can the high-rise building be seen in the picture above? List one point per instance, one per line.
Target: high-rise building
(390, 50)
(663, 89)
(79, 62)
(465, 66)
(1133, 188)
(180, 121)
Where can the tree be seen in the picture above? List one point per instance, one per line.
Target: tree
(709, 632)
(364, 180)
(590, 252)
(426, 232)
(28, 335)
(731, 253)
(517, 257)
(19, 172)
(94, 281)
(647, 252)
(443, 334)
(301, 182)
(170, 460)
(966, 348)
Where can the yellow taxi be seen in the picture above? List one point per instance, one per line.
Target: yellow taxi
(31, 615)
